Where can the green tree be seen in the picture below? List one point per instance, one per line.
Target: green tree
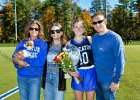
(63, 12)
(35, 8)
(26, 11)
(7, 22)
(70, 11)
(96, 5)
(122, 23)
(67, 16)
(138, 6)
(130, 20)
(137, 20)
(23, 16)
(100, 5)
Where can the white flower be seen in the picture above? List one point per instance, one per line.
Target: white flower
(73, 52)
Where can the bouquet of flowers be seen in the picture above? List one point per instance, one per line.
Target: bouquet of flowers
(68, 60)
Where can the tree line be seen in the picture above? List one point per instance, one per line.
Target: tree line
(124, 18)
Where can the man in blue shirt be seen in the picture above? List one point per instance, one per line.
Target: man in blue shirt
(109, 58)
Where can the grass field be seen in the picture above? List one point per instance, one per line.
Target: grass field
(129, 85)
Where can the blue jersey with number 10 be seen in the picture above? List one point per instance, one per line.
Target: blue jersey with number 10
(84, 47)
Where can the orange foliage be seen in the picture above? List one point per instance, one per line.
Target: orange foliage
(49, 14)
(8, 6)
(87, 18)
(8, 11)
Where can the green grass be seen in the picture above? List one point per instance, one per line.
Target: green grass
(134, 42)
(129, 85)
(8, 44)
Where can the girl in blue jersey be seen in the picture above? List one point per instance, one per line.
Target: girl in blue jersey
(85, 66)
(30, 68)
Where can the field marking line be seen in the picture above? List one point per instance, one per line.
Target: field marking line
(9, 93)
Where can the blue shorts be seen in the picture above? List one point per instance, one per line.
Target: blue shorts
(89, 80)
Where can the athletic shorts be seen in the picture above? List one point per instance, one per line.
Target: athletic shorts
(89, 80)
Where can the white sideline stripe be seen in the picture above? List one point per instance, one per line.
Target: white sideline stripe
(7, 94)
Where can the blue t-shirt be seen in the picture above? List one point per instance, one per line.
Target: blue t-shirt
(109, 56)
(36, 61)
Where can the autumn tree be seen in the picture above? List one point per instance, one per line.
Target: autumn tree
(7, 22)
(47, 19)
(62, 11)
(86, 16)
(57, 7)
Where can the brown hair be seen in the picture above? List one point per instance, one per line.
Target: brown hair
(27, 33)
(78, 20)
(98, 13)
(63, 37)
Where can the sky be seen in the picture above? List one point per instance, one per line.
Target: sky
(1, 3)
(85, 4)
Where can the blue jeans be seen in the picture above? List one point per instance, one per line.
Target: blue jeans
(29, 88)
(103, 92)
(51, 91)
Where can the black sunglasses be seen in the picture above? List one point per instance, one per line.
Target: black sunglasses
(32, 28)
(57, 31)
(99, 22)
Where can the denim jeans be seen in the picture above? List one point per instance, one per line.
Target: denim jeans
(51, 91)
(29, 88)
(103, 92)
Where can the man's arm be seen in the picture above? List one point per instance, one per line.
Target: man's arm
(119, 54)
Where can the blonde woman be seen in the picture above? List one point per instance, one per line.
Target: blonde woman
(30, 68)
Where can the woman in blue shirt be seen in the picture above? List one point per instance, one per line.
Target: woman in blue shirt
(29, 58)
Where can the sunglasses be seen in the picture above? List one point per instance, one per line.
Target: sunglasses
(56, 31)
(99, 22)
(32, 28)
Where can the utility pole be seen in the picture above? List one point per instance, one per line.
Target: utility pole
(15, 21)
(105, 9)
(123, 11)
